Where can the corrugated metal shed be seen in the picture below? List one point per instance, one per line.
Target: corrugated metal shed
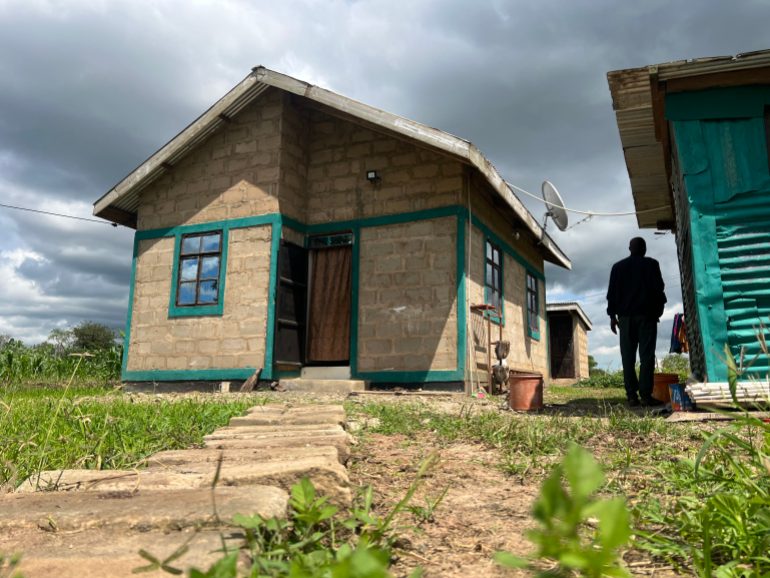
(120, 203)
(638, 96)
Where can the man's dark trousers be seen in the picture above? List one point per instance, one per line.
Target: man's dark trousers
(638, 332)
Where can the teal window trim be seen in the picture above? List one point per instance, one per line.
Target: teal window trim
(217, 309)
(533, 313)
(506, 248)
(489, 291)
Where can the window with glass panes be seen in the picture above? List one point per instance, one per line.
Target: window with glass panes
(493, 277)
(200, 259)
(532, 306)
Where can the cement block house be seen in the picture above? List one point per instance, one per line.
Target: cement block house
(289, 228)
(695, 137)
(568, 327)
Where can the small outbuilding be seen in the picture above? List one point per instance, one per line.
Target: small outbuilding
(568, 327)
(294, 230)
(695, 137)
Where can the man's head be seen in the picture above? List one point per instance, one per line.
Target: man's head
(638, 247)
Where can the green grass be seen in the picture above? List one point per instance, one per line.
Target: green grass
(700, 492)
(20, 364)
(97, 428)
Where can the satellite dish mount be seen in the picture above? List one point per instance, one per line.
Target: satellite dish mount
(554, 207)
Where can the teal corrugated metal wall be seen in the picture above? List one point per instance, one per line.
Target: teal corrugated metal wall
(726, 173)
(743, 242)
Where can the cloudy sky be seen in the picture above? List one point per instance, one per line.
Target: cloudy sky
(89, 89)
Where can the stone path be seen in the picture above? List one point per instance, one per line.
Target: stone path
(89, 523)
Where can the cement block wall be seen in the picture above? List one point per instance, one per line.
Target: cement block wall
(234, 173)
(408, 296)
(339, 154)
(581, 350)
(235, 339)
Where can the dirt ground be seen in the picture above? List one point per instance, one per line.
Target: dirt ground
(484, 509)
(481, 513)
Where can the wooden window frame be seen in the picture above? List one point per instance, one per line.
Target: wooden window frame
(533, 306)
(489, 290)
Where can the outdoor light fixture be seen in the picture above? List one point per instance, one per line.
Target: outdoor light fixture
(373, 177)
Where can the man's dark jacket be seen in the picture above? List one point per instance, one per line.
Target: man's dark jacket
(636, 288)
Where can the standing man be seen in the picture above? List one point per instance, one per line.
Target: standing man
(635, 301)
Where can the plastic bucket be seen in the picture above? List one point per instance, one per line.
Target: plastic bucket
(680, 401)
(660, 384)
(525, 391)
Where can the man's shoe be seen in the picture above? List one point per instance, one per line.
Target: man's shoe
(634, 403)
(652, 402)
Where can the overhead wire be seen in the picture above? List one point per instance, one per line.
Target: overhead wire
(589, 213)
(62, 215)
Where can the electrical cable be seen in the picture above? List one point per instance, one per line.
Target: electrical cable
(58, 215)
(589, 213)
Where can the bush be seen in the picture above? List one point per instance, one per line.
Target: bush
(676, 363)
(602, 379)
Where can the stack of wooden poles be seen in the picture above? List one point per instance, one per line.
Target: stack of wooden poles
(718, 393)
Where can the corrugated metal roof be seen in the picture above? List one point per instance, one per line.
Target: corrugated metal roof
(125, 195)
(636, 111)
(571, 307)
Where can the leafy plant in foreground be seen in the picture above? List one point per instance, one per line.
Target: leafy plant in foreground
(720, 521)
(315, 540)
(566, 535)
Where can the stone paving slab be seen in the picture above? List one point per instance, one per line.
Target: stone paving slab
(329, 477)
(273, 408)
(97, 554)
(164, 510)
(289, 419)
(244, 439)
(263, 454)
(249, 425)
(99, 532)
(340, 441)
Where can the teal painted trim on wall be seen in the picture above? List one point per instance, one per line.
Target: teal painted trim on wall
(462, 309)
(510, 251)
(379, 221)
(189, 374)
(286, 374)
(130, 313)
(718, 103)
(241, 223)
(355, 274)
(412, 376)
(175, 310)
(275, 246)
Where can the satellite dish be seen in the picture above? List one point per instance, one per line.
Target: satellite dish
(555, 206)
